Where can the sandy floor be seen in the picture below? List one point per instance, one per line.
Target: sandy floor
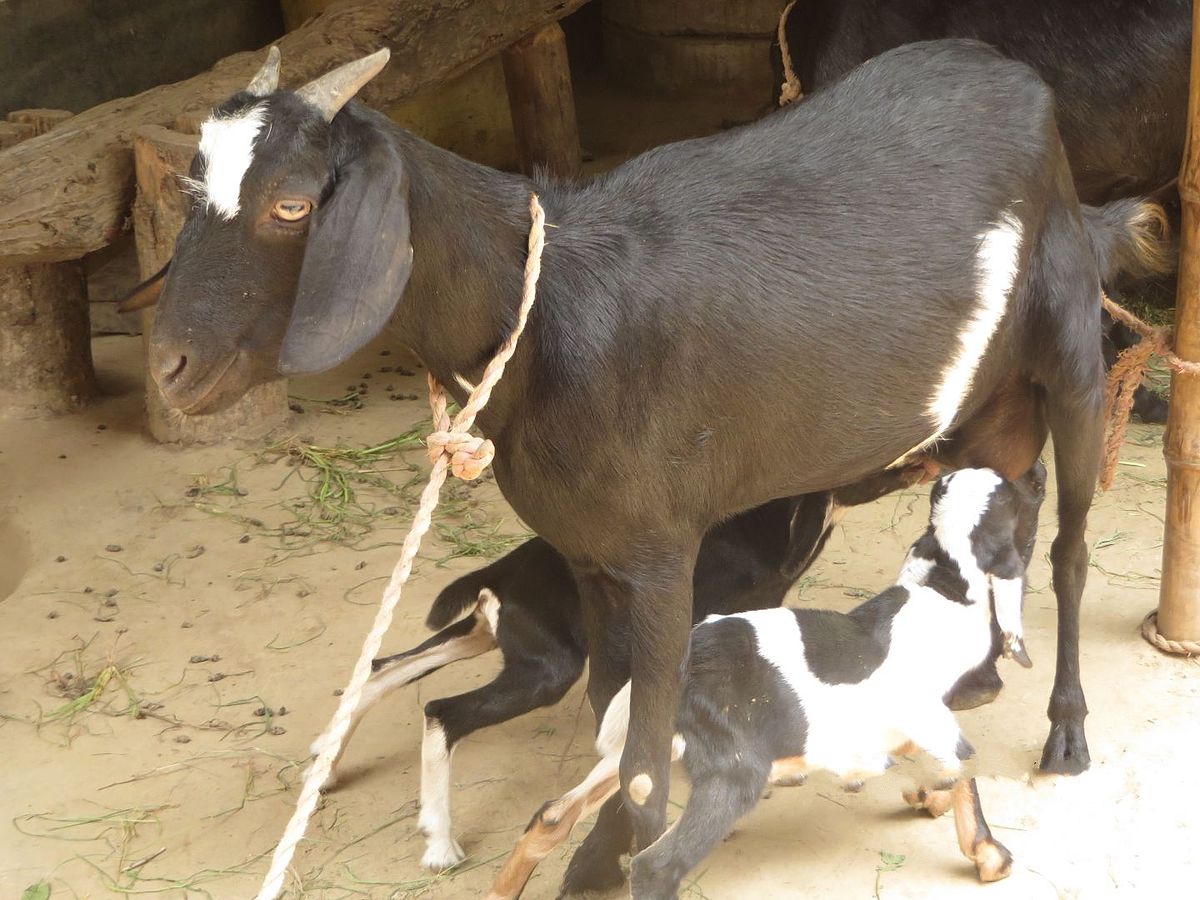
(108, 566)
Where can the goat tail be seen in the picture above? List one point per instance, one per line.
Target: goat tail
(455, 598)
(1130, 237)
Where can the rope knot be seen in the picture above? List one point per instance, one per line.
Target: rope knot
(467, 454)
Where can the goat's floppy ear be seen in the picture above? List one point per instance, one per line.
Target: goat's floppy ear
(356, 263)
(146, 293)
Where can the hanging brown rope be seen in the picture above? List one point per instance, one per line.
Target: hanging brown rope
(1126, 375)
(791, 88)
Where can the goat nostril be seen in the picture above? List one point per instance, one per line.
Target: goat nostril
(172, 369)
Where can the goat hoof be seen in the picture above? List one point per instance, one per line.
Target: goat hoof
(442, 854)
(1066, 750)
(993, 862)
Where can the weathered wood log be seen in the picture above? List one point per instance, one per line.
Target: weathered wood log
(159, 211)
(45, 339)
(67, 193)
(538, 77)
(42, 120)
(1179, 598)
(45, 334)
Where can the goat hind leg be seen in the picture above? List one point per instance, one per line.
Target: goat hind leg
(535, 675)
(464, 639)
(1077, 429)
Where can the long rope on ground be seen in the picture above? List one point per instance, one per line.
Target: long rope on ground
(451, 447)
(791, 89)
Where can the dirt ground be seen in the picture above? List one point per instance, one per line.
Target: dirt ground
(157, 625)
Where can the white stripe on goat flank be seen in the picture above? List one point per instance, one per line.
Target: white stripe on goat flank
(996, 264)
(227, 148)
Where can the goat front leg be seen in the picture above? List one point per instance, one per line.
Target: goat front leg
(596, 864)
(992, 860)
(660, 608)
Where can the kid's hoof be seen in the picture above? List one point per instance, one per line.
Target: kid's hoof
(1066, 750)
(993, 862)
(441, 855)
(936, 803)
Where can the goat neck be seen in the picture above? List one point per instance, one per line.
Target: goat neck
(470, 227)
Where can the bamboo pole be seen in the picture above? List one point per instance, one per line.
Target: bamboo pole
(1179, 597)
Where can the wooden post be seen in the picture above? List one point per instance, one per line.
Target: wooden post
(538, 77)
(159, 211)
(1179, 598)
(45, 334)
(12, 133)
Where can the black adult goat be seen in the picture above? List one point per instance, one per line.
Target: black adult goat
(918, 279)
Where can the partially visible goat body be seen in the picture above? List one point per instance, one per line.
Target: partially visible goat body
(719, 323)
(772, 694)
(1118, 68)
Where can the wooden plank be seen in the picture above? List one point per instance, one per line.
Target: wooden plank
(67, 193)
(1179, 597)
(538, 77)
(160, 157)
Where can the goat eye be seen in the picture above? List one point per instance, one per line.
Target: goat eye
(291, 210)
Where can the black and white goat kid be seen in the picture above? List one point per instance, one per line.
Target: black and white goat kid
(770, 695)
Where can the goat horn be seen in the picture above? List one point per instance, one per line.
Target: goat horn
(333, 90)
(267, 79)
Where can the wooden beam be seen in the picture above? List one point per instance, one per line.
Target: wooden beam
(68, 193)
(1179, 597)
(159, 212)
(538, 77)
(45, 331)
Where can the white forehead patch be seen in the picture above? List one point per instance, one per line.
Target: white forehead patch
(227, 148)
(958, 512)
(995, 271)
